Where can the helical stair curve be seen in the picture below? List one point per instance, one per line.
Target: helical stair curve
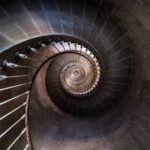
(74, 75)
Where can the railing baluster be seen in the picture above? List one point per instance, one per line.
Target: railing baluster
(6, 131)
(11, 99)
(17, 138)
(6, 115)
(18, 85)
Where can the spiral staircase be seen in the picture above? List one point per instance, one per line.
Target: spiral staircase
(74, 75)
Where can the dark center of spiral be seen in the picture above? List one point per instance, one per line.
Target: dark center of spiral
(78, 77)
